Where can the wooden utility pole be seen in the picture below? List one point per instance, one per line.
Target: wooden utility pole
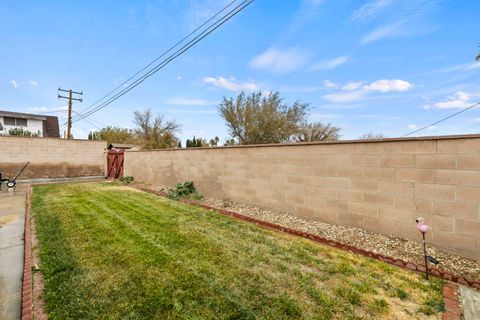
(70, 105)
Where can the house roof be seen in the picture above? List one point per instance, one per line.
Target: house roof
(22, 115)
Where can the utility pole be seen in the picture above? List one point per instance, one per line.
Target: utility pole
(70, 104)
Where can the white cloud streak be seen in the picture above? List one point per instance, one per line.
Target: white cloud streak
(370, 10)
(231, 84)
(330, 64)
(280, 60)
(386, 85)
(14, 83)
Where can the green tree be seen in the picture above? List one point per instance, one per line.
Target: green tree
(260, 119)
(113, 135)
(197, 143)
(214, 141)
(317, 131)
(154, 132)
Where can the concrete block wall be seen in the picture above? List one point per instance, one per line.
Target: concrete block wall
(381, 186)
(51, 158)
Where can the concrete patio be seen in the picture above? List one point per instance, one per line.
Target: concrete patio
(12, 221)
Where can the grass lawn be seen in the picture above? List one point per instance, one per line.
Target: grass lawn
(111, 252)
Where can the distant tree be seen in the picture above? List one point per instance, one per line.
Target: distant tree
(153, 132)
(197, 143)
(230, 142)
(478, 57)
(372, 136)
(179, 145)
(214, 142)
(260, 119)
(22, 133)
(113, 135)
(317, 131)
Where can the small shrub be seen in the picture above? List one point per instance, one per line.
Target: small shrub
(351, 295)
(126, 180)
(401, 294)
(184, 190)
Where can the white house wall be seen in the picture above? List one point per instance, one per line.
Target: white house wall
(33, 126)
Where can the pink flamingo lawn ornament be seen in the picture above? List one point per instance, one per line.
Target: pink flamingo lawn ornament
(423, 228)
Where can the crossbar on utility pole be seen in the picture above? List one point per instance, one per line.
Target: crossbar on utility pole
(70, 105)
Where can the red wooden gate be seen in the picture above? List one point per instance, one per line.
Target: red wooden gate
(115, 163)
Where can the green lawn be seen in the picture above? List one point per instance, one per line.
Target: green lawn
(111, 252)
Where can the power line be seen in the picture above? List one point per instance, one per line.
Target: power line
(119, 53)
(159, 57)
(444, 119)
(77, 52)
(175, 55)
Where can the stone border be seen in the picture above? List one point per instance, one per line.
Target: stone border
(390, 260)
(452, 303)
(27, 289)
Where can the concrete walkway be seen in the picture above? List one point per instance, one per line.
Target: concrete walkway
(470, 299)
(12, 223)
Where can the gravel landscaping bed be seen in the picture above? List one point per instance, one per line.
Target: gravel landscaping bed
(395, 247)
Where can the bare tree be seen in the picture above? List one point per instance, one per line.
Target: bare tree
(372, 136)
(154, 131)
(317, 131)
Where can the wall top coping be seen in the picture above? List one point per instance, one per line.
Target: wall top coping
(52, 138)
(299, 144)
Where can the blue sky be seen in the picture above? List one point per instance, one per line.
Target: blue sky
(383, 66)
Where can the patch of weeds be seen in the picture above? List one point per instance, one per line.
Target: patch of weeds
(401, 294)
(351, 295)
(326, 304)
(432, 305)
(341, 267)
(184, 190)
(126, 180)
(288, 306)
(364, 286)
(379, 306)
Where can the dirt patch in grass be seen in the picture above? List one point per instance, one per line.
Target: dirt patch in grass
(110, 252)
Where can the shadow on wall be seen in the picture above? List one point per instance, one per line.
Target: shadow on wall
(44, 170)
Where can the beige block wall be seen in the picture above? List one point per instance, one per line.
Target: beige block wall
(378, 186)
(51, 158)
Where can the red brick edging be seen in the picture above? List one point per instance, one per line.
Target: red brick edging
(27, 301)
(451, 301)
(397, 262)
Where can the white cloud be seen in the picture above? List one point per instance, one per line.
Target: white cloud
(231, 84)
(280, 61)
(356, 91)
(459, 100)
(352, 86)
(189, 102)
(387, 31)
(14, 83)
(329, 84)
(412, 126)
(330, 64)
(344, 96)
(33, 83)
(386, 85)
(370, 9)
(179, 77)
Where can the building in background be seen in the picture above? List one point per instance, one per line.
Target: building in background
(38, 125)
